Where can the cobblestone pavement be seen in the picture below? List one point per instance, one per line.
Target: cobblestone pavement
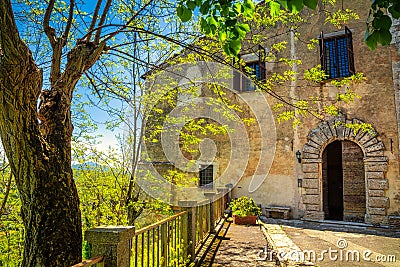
(341, 247)
(242, 248)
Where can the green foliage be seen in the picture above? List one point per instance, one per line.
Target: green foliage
(357, 127)
(11, 227)
(379, 23)
(244, 206)
(315, 74)
(339, 18)
(228, 20)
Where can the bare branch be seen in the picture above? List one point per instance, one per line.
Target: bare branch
(102, 20)
(50, 32)
(8, 188)
(130, 20)
(69, 22)
(93, 23)
(4, 167)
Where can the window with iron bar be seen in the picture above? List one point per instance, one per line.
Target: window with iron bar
(206, 175)
(336, 54)
(257, 68)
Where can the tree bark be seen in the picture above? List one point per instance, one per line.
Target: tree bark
(38, 145)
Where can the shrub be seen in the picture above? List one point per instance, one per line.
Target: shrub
(244, 206)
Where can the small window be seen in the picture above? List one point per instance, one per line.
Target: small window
(206, 175)
(258, 69)
(255, 61)
(336, 53)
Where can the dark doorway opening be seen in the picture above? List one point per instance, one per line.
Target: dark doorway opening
(343, 182)
(334, 181)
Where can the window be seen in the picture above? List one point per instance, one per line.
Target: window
(255, 61)
(206, 175)
(258, 69)
(336, 53)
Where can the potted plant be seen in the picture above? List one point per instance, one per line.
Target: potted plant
(244, 210)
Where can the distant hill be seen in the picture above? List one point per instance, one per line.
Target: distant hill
(89, 165)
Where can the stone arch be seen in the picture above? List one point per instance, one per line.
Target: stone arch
(375, 166)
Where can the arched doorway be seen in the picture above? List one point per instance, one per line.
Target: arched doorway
(371, 164)
(343, 182)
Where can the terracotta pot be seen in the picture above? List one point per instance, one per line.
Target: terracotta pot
(247, 220)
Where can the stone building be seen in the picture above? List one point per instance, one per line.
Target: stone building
(323, 170)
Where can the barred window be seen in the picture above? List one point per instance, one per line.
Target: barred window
(206, 175)
(256, 62)
(336, 53)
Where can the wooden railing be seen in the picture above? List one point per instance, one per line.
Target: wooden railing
(170, 242)
(97, 261)
(161, 243)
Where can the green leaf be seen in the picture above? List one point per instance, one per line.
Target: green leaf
(231, 22)
(241, 33)
(395, 10)
(222, 36)
(244, 27)
(366, 34)
(296, 6)
(184, 13)
(212, 23)
(372, 41)
(205, 7)
(275, 8)
(235, 46)
(284, 3)
(179, 10)
(238, 7)
(204, 26)
(248, 4)
(248, 9)
(191, 5)
(383, 22)
(311, 4)
(384, 37)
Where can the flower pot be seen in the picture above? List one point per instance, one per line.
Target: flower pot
(246, 220)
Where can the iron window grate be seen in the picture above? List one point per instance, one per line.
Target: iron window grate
(337, 57)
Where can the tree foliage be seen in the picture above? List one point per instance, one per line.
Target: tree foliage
(229, 20)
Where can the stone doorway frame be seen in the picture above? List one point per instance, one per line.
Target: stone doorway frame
(375, 166)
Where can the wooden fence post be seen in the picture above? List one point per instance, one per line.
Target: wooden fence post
(211, 196)
(113, 242)
(190, 207)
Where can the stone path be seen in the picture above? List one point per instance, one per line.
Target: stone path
(244, 246)
(332, 244)
(346, 249)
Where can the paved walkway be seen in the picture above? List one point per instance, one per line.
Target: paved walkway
(242, 247)
(300, 243)
(334, 245)
(346, 249)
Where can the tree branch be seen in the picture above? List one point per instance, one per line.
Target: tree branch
(93, 23)
(69, 22)
(129, 21)
(102, 20)
(4, 202)
(50, 32)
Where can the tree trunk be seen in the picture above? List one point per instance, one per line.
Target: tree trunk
(38, 145)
